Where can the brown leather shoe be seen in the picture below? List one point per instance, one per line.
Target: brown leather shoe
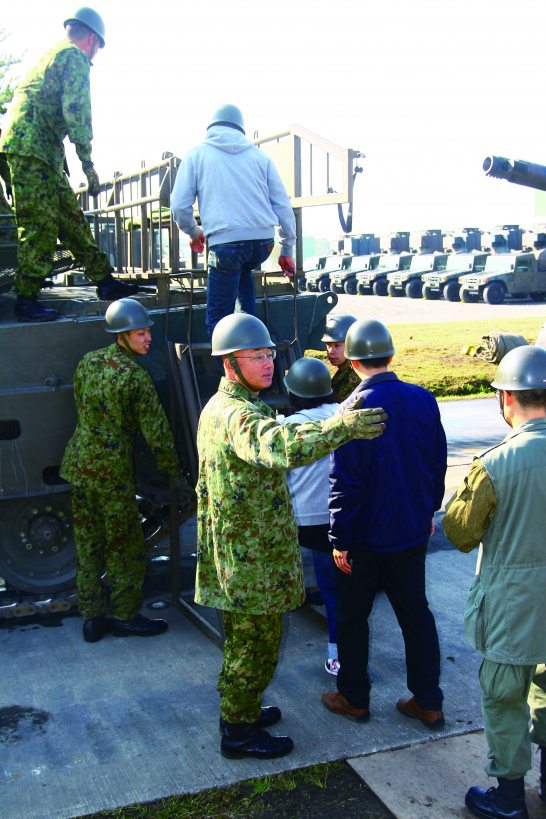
(432, 719)
(336, 702)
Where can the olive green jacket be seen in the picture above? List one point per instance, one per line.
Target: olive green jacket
(345, 381)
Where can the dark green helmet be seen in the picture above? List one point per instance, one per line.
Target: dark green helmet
(124, 315)
(368, 338)
(523, 368)
(308, 378)
(91, 19)
(228, 115)
(239, 331)
(337, 326)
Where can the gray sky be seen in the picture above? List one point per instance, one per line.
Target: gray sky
(426, 89)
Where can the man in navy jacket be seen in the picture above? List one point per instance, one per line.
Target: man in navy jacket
(383, 495)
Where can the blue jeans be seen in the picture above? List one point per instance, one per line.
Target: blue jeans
(230, 275)
(325, 571)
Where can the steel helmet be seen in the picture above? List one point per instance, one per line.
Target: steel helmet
(239, 331)
(124, 315)
(308, 378)
(91, 19)
(523, 368)
(337, 326)
(368, 338)
(228, 115)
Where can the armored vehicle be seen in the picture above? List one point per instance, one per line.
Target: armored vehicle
(131, 221)
(507, 275)
(446, 282)
(375, 281)
(318, 279)
(344, 280)
(408, 282)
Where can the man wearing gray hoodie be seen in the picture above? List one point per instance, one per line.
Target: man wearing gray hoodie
(241, 199)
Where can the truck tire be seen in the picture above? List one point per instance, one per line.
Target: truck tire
(468, 298)
(324, 285)
(349, 287)
(392, 291)
(361, 290)
(414, 289)
(494, 293)
(451, 291)
(301, 284)
(379, 287)
(431, 295)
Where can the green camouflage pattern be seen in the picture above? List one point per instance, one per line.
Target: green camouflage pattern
(53, 101)
(108, 539)
(6, 177)
(251, 652)
(115, 397)
(46, 208)
(248, 556)
(345, 381)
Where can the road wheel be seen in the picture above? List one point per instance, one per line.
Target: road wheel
(380, 288)
(451, 291)
(414, 289)
(429, 294)
(349, 287)
(301, 284)
(393, 291)
(324, 285)
(494, 293)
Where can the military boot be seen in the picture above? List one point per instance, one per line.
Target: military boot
(95, 628)
(111, 289)
(247, 739)
(138, 626)
(27, 308)
(505, 802)
(542, 786)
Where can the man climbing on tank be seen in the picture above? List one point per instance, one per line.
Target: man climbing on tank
(51, 103)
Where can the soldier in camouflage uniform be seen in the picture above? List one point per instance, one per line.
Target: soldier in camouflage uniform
(248, 557)
(53, 102)
(345, 380)
(115, 397)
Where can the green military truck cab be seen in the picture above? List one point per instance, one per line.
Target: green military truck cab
(506, 275)
(408, 282)
(446, 283)
(375, 280)
(344, 279)
(318, 279)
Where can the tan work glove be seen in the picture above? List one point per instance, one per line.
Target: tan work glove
(364, 423)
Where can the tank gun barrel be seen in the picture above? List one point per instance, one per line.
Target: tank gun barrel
(517, 171)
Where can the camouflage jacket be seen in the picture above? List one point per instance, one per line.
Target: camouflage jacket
(53, 101)
(115, 397)
(248, 557)
(345, 381)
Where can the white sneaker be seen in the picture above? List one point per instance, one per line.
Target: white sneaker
(332, 666)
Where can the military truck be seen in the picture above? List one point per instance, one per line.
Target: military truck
(506, 275)
(408, 282)
(318, 279)
(375, 281)
(344, 280)
(446, 282)
(131, 221)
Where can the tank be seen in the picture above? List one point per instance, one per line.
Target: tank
(517, 171)
(131, 221)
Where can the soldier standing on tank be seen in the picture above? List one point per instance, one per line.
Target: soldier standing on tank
(115, 398)
(53, 102)
(248, 557)
(345, 380)
(500, 507)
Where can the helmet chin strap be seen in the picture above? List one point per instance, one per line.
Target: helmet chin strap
(124, 342)
(235, 364)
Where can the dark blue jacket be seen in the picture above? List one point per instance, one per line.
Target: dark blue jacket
(384, 492)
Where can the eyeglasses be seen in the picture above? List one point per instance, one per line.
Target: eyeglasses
(261, 358)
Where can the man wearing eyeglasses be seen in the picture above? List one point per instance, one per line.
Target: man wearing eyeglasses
(500, 507)
(248, 556)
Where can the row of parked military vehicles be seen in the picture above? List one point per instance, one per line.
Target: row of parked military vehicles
(466, 277)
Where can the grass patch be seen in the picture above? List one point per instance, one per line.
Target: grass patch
(430, 354)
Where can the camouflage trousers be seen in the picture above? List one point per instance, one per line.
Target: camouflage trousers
(251, 653)
(108, 539)
(46, 208)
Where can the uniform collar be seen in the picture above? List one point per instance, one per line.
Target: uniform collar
(377, 379)
(238, 391)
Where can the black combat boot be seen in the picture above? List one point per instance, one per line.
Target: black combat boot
(269, 715)
(29, 309)
(110, 289)
(505, 802)
(243, 739)
(542, 786)
(138, 626)
(95, 628)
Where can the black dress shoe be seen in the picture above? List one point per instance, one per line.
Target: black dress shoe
(244, 740)
(139, 626)
(111, 289)
(95, 628)
(269, 715)
(29, 309)
(492, 804)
